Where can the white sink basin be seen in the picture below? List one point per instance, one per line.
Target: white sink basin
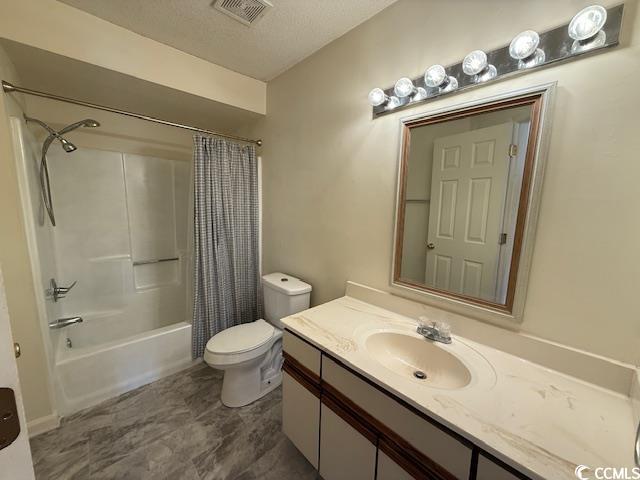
(410, 357)
(414, 358)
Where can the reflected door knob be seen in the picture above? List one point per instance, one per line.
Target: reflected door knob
(430, 246)
(17, 350)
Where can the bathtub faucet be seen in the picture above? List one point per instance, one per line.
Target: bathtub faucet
(64, 322)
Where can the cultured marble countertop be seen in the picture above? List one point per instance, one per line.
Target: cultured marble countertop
(542, 422)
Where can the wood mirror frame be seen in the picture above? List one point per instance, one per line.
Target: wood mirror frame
(539, 99)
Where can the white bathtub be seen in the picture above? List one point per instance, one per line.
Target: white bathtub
(89, 375)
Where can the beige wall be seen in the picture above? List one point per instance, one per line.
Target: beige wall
(14, 258)
(330, 170)
(61, 29)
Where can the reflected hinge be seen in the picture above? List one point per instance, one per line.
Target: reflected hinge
(513, 150)
(502, 239)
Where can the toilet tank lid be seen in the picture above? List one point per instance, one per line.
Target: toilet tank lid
(285, 283)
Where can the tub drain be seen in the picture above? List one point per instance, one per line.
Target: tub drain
(420, 375)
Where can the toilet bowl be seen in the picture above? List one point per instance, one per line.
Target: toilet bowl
(251, 354)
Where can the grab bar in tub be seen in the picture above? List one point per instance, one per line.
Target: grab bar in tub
(157, 260)
(64, 322)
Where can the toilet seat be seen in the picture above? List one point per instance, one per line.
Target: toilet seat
(240, 343)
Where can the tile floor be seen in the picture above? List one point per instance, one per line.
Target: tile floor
(174, 429)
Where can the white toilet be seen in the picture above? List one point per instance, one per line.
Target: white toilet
(251, 354)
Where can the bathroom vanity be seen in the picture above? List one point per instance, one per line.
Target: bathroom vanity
(366, 397)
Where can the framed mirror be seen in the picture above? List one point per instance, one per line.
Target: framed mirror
(468, 191)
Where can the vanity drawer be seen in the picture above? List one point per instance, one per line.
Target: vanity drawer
(305, 354)
(437, 445)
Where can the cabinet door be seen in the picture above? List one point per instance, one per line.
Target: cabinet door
(301, 418)
(345, 454)
(488, 470)
(390, 470)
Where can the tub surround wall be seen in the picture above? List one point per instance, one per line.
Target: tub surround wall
(330, 170)
(541, 411)
(112, 210)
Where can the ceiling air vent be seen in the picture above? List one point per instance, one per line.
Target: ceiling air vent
(247, 12)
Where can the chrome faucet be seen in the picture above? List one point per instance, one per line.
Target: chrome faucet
(64, 322)
(57, 292)
(436, 331)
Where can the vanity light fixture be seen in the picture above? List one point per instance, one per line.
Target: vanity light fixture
(476, 65)
(436, 77)
(591, 29)
(524, 48)
(586, 28)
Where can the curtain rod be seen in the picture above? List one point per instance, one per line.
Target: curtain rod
(8, 87)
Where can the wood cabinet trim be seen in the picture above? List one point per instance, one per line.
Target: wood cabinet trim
(302, 374)
(348, 416)
(402, 461)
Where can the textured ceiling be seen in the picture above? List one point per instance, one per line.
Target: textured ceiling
(288, 33)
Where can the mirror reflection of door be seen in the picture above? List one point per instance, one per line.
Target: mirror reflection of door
(469, 184)
(461, 201)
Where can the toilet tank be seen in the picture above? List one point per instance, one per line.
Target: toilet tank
(284, 295)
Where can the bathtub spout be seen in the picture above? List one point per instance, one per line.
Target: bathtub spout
(64, 322)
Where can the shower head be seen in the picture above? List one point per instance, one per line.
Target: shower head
(67, 145)
(87, 122)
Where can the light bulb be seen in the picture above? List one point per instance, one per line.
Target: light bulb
(537, 58)
(474, 63)
(420, 94)
(487, 74)
(404, 87)
(524, 45)
(587, 22)
(597, 41)
(377, 97)
(436, 76)
(393, 102)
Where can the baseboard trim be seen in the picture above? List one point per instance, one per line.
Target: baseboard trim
(43, 424)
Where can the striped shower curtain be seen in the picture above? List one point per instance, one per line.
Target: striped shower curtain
(226, 256)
